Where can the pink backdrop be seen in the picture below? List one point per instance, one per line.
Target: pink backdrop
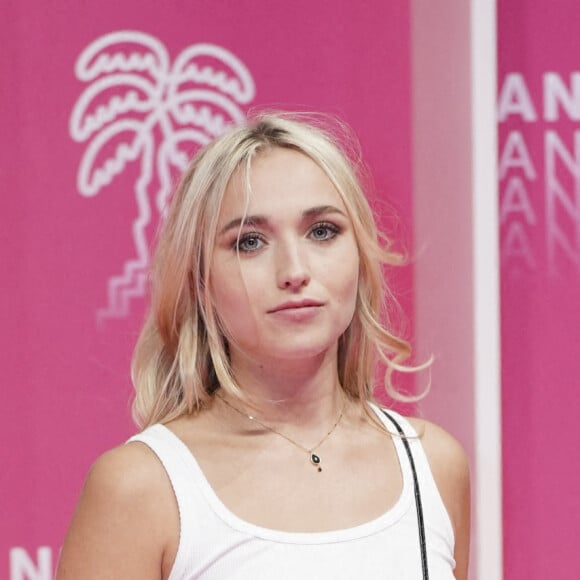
(71, 242)
(539, 147)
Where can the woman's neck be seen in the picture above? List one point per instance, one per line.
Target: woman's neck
(304, 392)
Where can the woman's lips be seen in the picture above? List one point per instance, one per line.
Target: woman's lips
(297, 311)
(296, 305)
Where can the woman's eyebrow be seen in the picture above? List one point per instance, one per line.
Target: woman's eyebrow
(321, 210)
(250, 220)
(260, 220)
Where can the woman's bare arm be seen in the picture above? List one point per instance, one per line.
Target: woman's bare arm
(450, 469)
(126, 523)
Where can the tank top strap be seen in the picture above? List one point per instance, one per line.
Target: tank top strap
(435, 514)
(182, 472)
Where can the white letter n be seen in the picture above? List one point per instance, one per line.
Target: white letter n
(23, 568)
(556, 93)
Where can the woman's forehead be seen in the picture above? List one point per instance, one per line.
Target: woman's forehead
(279, 182)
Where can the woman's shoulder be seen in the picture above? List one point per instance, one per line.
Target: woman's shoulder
(450, 468)
(439, 445)
(446, 456)
(441, 448)
(125, 502)
(130, 469)
(127, 482)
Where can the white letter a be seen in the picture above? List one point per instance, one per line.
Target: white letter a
(514, 99)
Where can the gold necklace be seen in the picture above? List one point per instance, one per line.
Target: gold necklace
(314, 458)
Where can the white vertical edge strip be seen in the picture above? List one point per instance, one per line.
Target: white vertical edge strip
(486, 290)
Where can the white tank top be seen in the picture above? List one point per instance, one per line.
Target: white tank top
(215, 544)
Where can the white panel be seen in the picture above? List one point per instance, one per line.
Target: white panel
(486, 290)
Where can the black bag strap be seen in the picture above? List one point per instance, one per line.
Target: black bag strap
(418, 503)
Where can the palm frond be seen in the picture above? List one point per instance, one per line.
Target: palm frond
(123, 51)
(213, 67)
(208, 110)
(129, 96)
(126, 139)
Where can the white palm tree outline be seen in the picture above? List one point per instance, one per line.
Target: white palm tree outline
(139, 107)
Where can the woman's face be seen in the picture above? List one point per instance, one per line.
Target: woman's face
(284, 283)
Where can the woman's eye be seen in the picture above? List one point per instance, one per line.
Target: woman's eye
(248, 243)
(322, 232)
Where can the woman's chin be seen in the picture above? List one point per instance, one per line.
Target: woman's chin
(296, 353)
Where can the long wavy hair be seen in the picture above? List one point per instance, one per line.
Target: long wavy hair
(181, 357)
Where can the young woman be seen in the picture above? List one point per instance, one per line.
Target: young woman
(263, 455)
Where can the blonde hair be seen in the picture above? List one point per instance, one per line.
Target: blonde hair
(181, 356)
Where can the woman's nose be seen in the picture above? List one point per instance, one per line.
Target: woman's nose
(292, 268)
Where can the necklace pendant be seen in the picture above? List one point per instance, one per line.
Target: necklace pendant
(315, 460)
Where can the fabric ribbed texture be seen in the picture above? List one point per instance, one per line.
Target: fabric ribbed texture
(215, 544)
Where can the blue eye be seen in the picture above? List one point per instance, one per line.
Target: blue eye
(324, 231)
(248, 243)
